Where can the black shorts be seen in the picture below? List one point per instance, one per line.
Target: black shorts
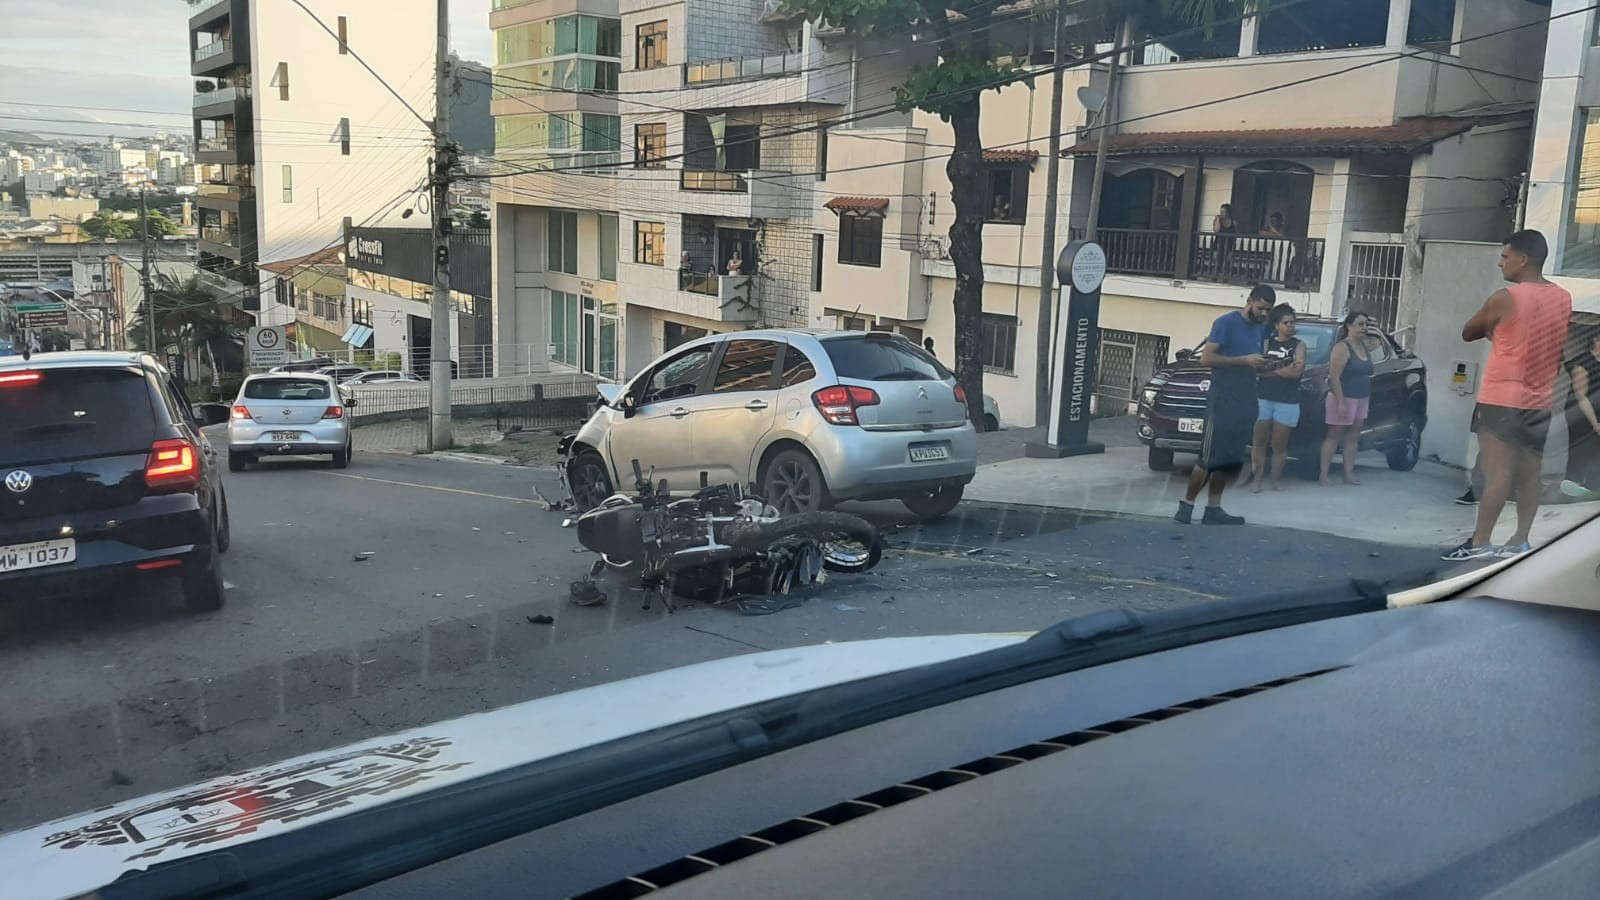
(1524, 428)
(1230, 423)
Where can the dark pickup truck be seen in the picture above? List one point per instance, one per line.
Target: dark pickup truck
(1172, 406)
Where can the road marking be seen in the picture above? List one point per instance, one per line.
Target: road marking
(1036, 570)
(434, 487)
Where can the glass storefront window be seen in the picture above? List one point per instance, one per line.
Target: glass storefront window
(1583, 222)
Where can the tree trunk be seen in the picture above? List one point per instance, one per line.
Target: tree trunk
(967, 192)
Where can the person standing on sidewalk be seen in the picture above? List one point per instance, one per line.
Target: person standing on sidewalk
(1583, 418)
(1278, 399)
(1233, 351)
(1349, 394)
(1526, 323)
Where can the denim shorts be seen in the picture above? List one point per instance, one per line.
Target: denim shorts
(1285, 414)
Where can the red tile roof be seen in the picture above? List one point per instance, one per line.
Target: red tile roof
(1010, 156)
(1405, 136)
(858, 204)
(331, 256)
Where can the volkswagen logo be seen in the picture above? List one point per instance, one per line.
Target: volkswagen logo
(18, 482)
(286, 413)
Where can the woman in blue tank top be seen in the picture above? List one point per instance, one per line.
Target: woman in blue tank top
(1349, 392)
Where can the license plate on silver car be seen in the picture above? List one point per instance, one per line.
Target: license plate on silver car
(40, 553)
(929, 452)
(1192, 426)
(286, 435)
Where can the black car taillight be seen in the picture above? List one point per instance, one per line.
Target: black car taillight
(173, 466)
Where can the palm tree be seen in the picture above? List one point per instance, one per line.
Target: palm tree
(186, 314)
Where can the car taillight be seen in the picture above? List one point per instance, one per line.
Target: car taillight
(961, 395)
(173, 465)
(20, 379)
(241, 412)
(838, 404)
(333, 412)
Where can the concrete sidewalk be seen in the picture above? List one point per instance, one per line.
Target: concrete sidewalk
(1410, 509)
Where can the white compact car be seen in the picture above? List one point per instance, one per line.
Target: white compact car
(289, 414)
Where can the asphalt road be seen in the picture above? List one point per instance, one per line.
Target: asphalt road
(117, 696)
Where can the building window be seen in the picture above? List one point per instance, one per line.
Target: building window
(650, 243)
(674, 335)
(1582, 255)
(608, 248)
(650, 45)
(280, 80)
(325, 307)
(816, 262)
(344, 44)
(288, 184)
(860, 240)
(822, 153)
(566, 324)
(562, 239)
(998, 343)
(361, 311)
(1008, 195)
(650, 145)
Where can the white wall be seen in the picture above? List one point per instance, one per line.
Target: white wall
(389, 146)
(1456, 278)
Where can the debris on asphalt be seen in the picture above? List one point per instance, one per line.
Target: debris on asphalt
(586, 593)
(890, 600)
(120, 777)
(542, 619)
(476, 528)
(543, 500)
(363, 556)
(567, 522)
(975, 551)
(754, 606)
(845, 607)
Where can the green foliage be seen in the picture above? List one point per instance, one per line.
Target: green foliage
(53, 340)
(159, 224)
(107, 227)
(939, 89)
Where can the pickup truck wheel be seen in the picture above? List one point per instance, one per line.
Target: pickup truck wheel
(1404, 455)
(933, 504)
(1160, 460)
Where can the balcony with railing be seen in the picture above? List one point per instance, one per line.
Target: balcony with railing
(216, 144)
(742, 68)
(1293, 263)
(227, 94)
(207, 10)
(236, 191)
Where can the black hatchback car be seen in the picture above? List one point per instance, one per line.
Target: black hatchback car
(1172, 406)
(105, 476)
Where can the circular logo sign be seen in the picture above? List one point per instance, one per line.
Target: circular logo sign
(1088, 268)
(267, 338)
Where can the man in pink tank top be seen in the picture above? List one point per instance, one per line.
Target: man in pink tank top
(1526, 323)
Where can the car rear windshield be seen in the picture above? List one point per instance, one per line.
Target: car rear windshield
(75, 413)
(1319, 342)
(882, 359)
(286, 389)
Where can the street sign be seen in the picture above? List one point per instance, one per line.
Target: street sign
(45, 319)
(268, 346)
(78, 344)
(1080, 270)
(40, 306)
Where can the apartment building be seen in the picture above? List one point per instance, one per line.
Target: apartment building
(302, 135)
(1340, 135)
(683, 204)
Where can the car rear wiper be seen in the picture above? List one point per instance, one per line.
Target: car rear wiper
(344, 853)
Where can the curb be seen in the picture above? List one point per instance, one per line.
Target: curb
(456, 456)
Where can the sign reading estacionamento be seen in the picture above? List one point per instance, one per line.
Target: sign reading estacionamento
(268, 346)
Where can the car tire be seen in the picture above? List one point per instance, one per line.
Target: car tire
(341, 457)
(1160, 459)
(238, 461)
(225, 525)
(588, 480)
(933, 504)
(792, 482)
(990, 423)
(203, 588)
(1403, 456)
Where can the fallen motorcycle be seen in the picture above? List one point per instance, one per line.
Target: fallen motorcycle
(721, 543)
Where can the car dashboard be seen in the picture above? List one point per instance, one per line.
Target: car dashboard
(1444, 750)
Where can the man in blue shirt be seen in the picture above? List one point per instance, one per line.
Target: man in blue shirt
(1233, 351)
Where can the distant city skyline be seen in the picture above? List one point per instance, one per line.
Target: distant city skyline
(131, 56)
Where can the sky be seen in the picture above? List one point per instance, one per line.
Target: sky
(130, 54)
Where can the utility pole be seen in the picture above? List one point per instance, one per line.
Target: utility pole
(439, 436)
(1047, 262)
(1103, 123)
(144, 276)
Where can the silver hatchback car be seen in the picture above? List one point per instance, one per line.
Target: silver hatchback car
(808, 417)
(289, 414)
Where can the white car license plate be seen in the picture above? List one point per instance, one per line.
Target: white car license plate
(1192, 426)
(286, 435)
(928, 452)
(16, 557)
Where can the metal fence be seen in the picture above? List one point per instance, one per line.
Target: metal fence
(395, 418)
(473, 361)
(1376, 272)
(1128, 361)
